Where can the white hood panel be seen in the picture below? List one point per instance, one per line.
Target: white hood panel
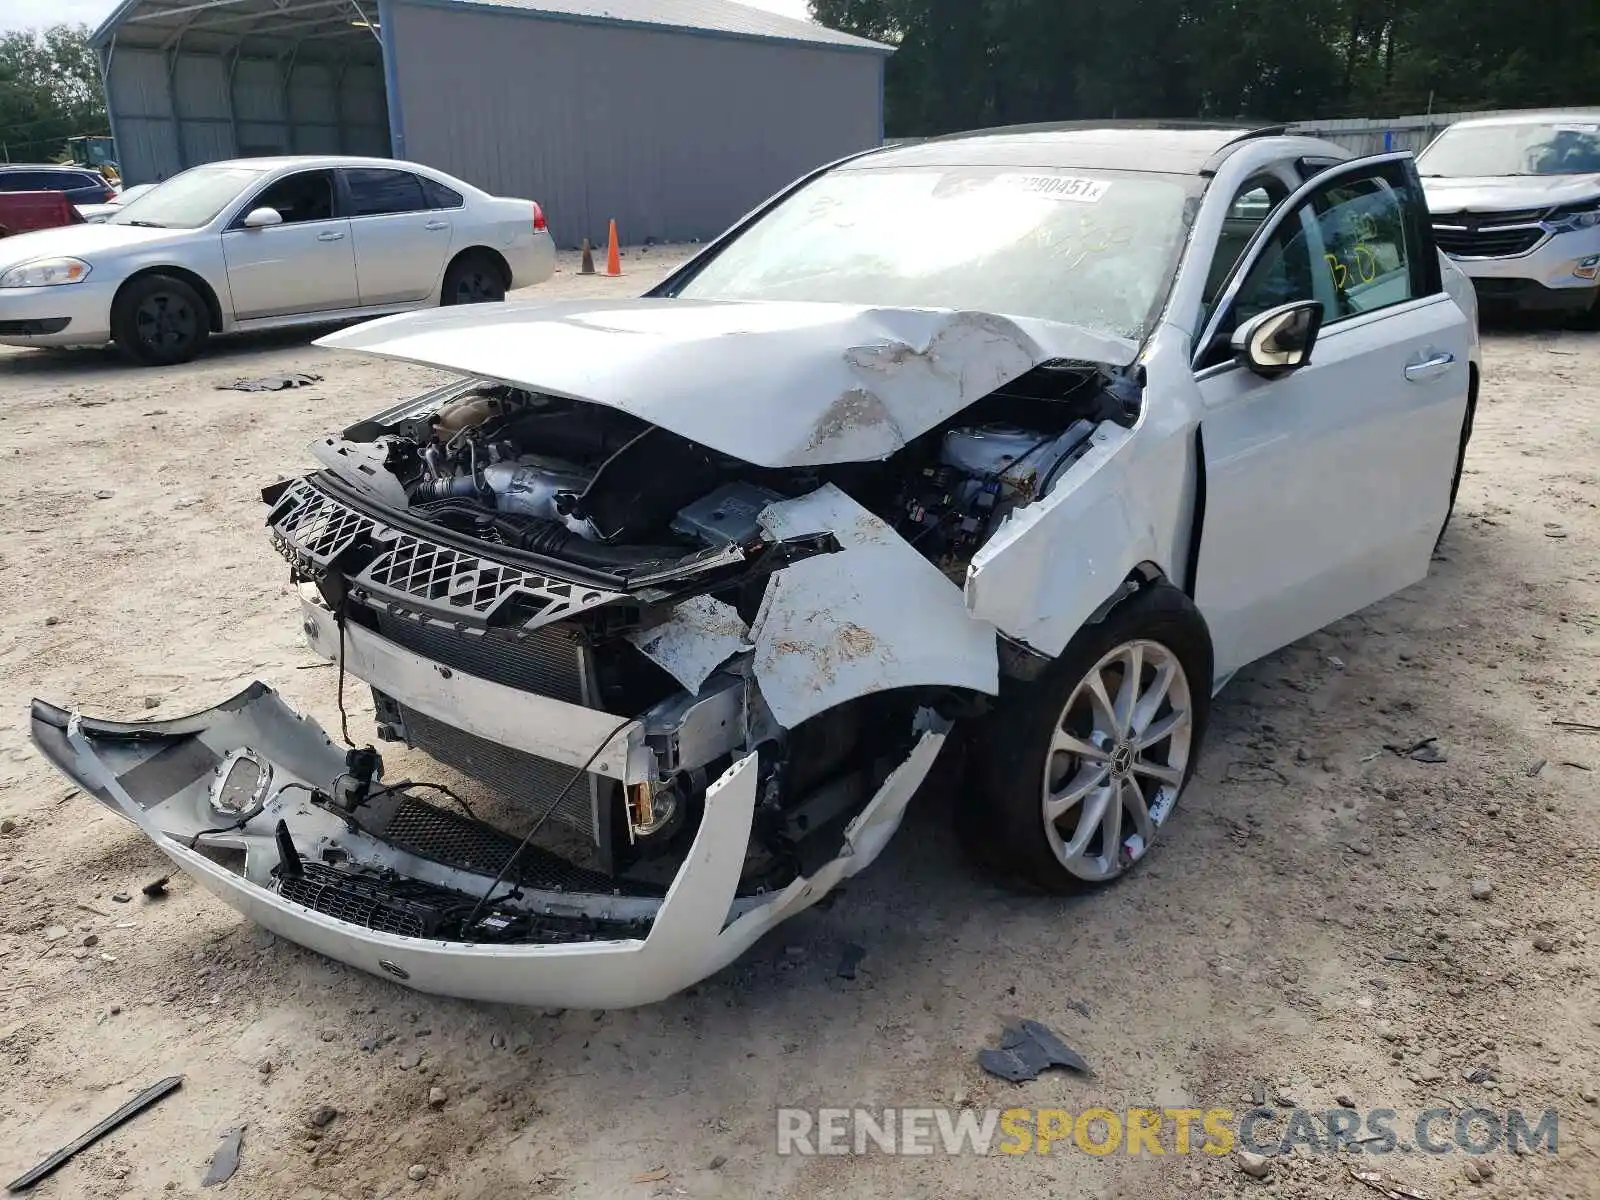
(776, 384)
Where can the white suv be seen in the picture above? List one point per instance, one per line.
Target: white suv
(1516, 202)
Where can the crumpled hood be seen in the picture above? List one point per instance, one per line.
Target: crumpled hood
(776, 384)
(79, 241)
(1512, 193)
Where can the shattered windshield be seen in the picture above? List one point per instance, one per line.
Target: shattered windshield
(1486, 151)
(1095, 249)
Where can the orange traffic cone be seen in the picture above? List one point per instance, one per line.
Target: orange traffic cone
(613, 255)
(588, 259)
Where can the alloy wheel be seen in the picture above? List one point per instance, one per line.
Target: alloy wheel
(1117, 760)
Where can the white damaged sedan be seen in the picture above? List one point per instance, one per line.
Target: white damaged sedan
(1039, 433)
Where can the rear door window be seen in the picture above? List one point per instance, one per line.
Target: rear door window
(377, 191)
(440, 196)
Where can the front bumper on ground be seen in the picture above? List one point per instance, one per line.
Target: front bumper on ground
(165, 777)
(84, 307)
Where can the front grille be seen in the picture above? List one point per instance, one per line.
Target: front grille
(549, 661)
(1475, 242)
(410, 574)
(526, 779)
(453, 840)
(389, 904)
(400, 906)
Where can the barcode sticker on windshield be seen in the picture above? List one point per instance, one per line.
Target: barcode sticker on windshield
(1059, 187)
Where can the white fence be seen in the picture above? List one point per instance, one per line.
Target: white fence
(1395, 133)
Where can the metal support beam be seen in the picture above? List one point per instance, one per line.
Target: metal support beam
(338, 106)
(172, 103)
(288, 96)
(233, 99)
(391, 80)
(106, 56)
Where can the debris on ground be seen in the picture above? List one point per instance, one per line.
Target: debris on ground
(1256, 1166)
(717, 1163)
(121, 898)
(849, 959)
(437, 1097)
(156, 887)
(1425, 750)
(127, 1112)
(1027, 1050)
(1534, 770)
(322, 1116)
(417, 1173)
(1482, 889)
(271, 383)
(1385, 1187)
(653, 1176)
(225, 1161)
(1583, 725)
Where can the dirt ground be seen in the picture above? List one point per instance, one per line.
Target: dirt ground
(1307, 927)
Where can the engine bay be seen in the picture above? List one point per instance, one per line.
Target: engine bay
(585, 484)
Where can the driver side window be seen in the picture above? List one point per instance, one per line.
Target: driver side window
(1352, 245)
(305, 196)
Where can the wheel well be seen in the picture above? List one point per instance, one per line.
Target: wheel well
(213, 307)
(494, 256)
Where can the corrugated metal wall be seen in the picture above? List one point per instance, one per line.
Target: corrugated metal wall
(164, 124)
(1395, 133)
(675, 135)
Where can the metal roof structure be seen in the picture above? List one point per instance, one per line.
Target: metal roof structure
(225, 24)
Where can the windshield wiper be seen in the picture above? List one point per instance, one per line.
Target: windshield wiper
(147, 224)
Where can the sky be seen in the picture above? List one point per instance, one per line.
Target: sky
(29, 14)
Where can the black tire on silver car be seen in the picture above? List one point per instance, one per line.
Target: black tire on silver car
(1080, 769)
(474, 278)
(158, 320)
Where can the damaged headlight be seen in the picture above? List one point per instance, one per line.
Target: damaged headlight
(46, 272)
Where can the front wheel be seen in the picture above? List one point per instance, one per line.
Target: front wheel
(159, 320)
(1083, 767)
(473, 279)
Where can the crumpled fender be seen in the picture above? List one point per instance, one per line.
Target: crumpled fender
(874, 616)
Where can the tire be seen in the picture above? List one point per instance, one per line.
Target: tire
(159, 320)
(1461, 463)
(1006, 822)
(474, 278)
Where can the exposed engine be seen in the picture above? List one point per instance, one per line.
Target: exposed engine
(585, 483)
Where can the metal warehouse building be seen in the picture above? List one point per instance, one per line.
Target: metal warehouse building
(672, 116)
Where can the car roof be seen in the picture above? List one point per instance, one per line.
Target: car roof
(1169, 147)
(277, 162)
(48, 167)
(1544, 116)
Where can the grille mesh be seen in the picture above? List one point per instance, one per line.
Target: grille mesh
(457, 841)
(1469, 243)
(395, 906)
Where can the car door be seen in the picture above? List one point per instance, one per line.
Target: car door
(400, 242)
(1325, 489)
(305, 264)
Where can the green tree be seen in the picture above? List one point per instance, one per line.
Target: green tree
(965, 63)
(49, 91)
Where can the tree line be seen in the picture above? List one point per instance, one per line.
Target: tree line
(967, 63)
(49, 91)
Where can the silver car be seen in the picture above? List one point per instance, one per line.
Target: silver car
(261, 243)
(1516, 202)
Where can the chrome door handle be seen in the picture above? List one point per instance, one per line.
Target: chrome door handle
(330, 235)
(1430, 368)
(437, 225)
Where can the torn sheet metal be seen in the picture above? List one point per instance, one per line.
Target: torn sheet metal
(874, 616)
(777, 384)
(701, 635)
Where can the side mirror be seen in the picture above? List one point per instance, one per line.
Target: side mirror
(1280, 340)
(260, 218)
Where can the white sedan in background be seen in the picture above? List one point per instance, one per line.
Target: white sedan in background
(97, 214)
(261, 243)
